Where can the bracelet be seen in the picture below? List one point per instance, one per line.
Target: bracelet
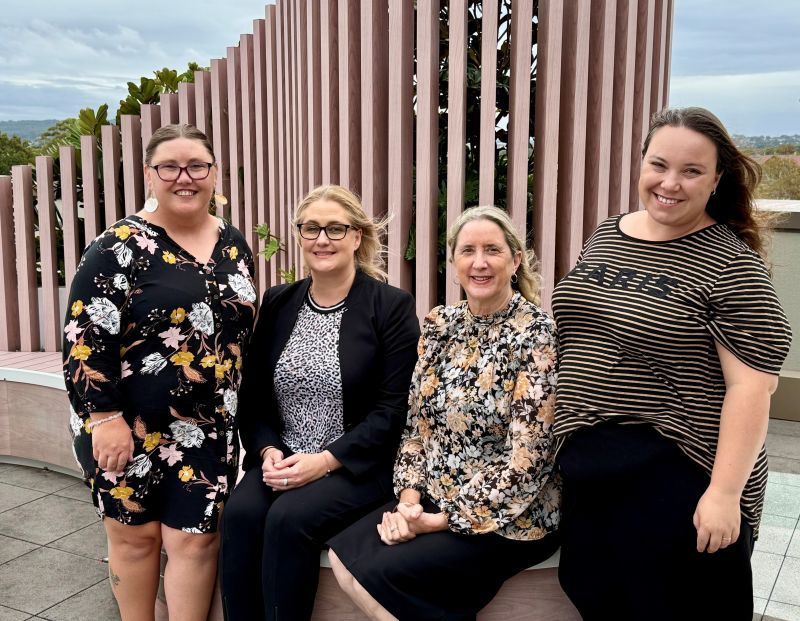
(95, 423)
(327, 464)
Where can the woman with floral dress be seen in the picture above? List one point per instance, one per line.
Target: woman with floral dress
(160, 310)
(477, 498)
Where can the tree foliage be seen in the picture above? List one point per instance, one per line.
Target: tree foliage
(149, 90)
(13, 151)
(780, 179)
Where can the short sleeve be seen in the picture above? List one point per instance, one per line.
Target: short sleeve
(746, 317)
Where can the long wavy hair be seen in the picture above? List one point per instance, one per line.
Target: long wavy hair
(528, 277)
(732, 203)
(369, 256)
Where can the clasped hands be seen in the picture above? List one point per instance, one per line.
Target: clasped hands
(408, 521)
(296, 470)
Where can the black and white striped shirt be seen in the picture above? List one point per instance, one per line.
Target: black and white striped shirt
(638, 321)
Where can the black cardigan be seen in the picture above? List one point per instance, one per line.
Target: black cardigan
(377, 353)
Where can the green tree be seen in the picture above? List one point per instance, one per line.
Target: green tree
(13, 151)
(780, 180)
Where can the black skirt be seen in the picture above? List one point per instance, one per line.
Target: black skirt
(628, 547)
(438, 576)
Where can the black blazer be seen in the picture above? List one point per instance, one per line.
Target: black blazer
(377, 353)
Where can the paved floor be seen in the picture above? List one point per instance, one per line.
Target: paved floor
(52, 544)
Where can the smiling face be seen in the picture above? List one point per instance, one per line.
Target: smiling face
(184, 195)
(679, 172)
(323, 256)
(484, 265)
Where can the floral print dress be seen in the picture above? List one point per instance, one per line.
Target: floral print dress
(479, 440)
(154, 333)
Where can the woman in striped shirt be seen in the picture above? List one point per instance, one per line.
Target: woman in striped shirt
(671, 341)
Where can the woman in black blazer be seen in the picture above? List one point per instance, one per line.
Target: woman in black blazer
(321, 409)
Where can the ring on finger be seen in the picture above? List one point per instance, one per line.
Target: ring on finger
(285, 481)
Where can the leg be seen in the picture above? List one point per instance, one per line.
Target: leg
(133, 565)
(190, 574)
(242, 529)
(299, 523)
(368, 604)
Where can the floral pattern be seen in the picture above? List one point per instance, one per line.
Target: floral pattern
(154, 333)
(479, 441)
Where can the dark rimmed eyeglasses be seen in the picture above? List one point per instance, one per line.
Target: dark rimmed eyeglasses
(197, 171)
(332, 231)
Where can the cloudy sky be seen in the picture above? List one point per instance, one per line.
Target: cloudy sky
(57, 56)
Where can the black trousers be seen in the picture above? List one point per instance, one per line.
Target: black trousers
(628, 544)
(271, 541)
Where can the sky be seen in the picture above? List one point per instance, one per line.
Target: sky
(58, 56)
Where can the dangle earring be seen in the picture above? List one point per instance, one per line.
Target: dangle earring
(151, 204)
(219, 199)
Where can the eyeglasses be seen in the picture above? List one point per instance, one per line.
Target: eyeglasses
(197, 171)
(332, 231)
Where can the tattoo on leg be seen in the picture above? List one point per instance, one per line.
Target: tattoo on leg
(114, 578)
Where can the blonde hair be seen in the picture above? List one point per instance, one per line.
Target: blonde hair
(528, 278)
(369, 256)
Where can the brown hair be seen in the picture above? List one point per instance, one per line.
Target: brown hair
(171, 132)
(369, 255)
(732, 202)
(528, 278)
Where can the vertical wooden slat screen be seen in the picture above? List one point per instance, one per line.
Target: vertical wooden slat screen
(427, 190)
(322, 91)
(69, 211)
(27, 296)
(488, 136)
(46, 209)
(91, 188)
(456, 128)
(111, 157)
(9, 306)
(132, 171)
(400, 133)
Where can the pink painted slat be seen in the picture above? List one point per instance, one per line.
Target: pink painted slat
(456, 129)
(329, 90)
(272, 148)
(36, 363)
(313, 98)
(427, 204)
(374, 106)
(219, 121)
(69, 211)
(247, 225)
(132, 171)
(202, 103)
(666, 66)
(301, 102)
(400, 132)
(186, 104)
(111, 159)
(12, 359)
(519, 114)
(488, 102)
(260, 118)
(27, 297)
(599, 114)
(151, 120)
(292, 155)
(281, 99)
(548, 105)
(92, 215)
(641, 91)
(572, 166)
(236, 199)
(169, 109)
(349, 95)
(46, 209)
(9, 309)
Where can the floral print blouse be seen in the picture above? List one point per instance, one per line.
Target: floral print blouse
(479, 441)
(155, 333)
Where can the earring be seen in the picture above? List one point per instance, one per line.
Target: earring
(151, 204)
(514, 278)
(219, 199)
(714, 191)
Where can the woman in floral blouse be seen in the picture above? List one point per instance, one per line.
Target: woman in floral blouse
(160, 310)
(478, 498)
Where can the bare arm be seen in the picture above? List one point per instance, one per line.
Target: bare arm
(743, 427)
